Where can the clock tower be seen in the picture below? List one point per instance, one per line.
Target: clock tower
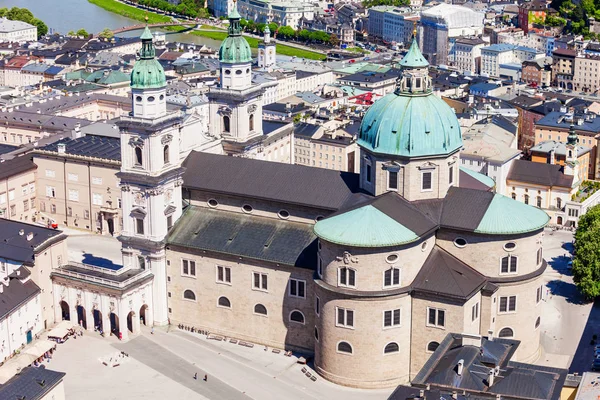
(266, 51)
(150, 175)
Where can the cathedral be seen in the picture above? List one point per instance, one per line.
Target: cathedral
(366, 272)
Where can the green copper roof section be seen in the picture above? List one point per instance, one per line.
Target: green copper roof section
(410, 126)
(235, 49)
(507, 216)
(486, 180)
(414, 58)
(364, 227)
(147, 72)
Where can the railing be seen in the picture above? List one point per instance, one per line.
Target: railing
(103, 281)
(92, 268)
(153, 121)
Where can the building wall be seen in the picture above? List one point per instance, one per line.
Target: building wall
(86, 193)
(240, 321)
(18, 197)
(14, 326)
(21, 35)
(585, 74)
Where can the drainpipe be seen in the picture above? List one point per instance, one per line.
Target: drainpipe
(90, 195)
(66, 193)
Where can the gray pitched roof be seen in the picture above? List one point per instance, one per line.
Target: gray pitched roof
(445, 275)
(104, 147)
(16, 293)
(259, 238)
(291, 184)
(16, 166)
(464, 208)
(31, 383)
(15, 246)
(539, 174)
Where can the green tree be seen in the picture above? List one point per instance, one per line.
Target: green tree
(106, 34)
(273, 27)
(334, 40)
(42, 28)
(304, 35)
(3, 11)
(261, 27)
(251, 27)
(82, 32)
(586, 263)
(286, 32)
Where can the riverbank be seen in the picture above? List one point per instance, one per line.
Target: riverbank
(124, 10)
(253, 42)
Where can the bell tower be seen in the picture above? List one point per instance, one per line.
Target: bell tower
(571, 160)
(150, 175)
(267, 51)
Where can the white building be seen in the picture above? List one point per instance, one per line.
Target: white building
(398, 25)
(494, 56)
(283, 13)
(466, 54)
(17, 31)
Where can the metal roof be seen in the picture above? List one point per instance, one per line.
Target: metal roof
(15, 246)
(31, 383)
(539, 174)
(486, 180)
(104, 147)
(16, 166)
(507, 216)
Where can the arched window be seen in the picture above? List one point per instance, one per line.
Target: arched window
(224, 302)
(226, 121)
(346, 277)
(297, 316)
(526, 199)
(391, 277)
(188, 294)
(537, 322)
(166, 154)
(432, 346)
(391, 348)
(506, 333)
(344, 347)
(138, 156)
(251, 122)
(539, 202)
(509, 264)
(513, 195)
(316, 334)
(260, 309)
(559, 203)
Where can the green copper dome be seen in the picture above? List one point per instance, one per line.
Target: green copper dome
(412, 121)
(147, 72)
(235, 49)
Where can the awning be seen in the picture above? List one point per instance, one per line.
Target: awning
(40, 348)
(61, 330)
(15, 365)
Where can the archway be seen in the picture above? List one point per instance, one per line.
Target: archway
(559, 220)
(131, 321)
(98, 320)
(143, 311)
(81, 320)
(66, 314)
(114, 324)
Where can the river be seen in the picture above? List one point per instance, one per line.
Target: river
(71, 15)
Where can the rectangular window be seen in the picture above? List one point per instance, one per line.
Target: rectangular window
(86, 215)
(540, 256)
(391, 318)
(188, 268)
(32, 203)
(97, 199)
(69, 212)
(50, 191)
(368, 172)
(391, 277)
(50, 173)
(451, 175)
(508, 304)
(436, 317)
(24, 190)
(319, 267)
(345, 317)
(426, 181)
(13, 210)
(393, 180)
(73, 195)
(538, 295)
(2, 198)
(139, 225)
(475, 312)
(259, 281)
(317, 305)
(297, 288)
(96, 180)
(73, 177)
(346, 277)
(509, 264)
(53, 208)
(32, 188)
(169, 221)
(223, 274)
(25, 205)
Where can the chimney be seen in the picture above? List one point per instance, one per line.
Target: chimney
(460, 366)
(18, 273)
(21, 232)
(552, 157)
(62, 148)
(490, 377)
(29, 236)
(288, 106)
(491, 335)
(1, 288)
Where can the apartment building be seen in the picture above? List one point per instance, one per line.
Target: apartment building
(466, 54)
(17, 189)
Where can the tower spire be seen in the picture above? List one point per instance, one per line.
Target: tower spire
(572, 138)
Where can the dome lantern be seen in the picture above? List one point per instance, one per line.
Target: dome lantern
(147, 72)
(235, 49)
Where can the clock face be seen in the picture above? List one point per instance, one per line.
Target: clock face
(261, 52)
(138, 198)
(271, 51)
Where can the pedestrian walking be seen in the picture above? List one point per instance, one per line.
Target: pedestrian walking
(152, 331)
(205, 378)
(196, 375)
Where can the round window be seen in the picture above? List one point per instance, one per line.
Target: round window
(284, 214)
(510, 246)
(392, 258)
(138, 99)
(151, 99)
(238, 72)
(247, 208)
(460, 242)
(424, 246)
(213, 203)
(227, 72)
(319, 218)
(247, 70)
(162, 97)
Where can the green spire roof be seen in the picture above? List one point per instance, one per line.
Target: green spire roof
(147, 72)
(507, 216)
(235, 49)
(414, 58)
(572, 137)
